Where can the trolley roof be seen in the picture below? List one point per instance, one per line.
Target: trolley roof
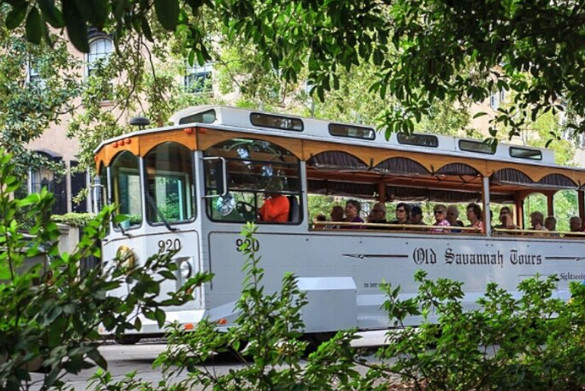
(347, 137)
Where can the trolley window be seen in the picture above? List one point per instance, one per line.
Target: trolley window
(206, 117)
(476, 146)
(256, 170)
(352, 131)
(169, 184)
(125, 176)
(423, 140)
(525, 153)
(276, 121)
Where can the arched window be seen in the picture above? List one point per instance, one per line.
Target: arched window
(99, 50)
(169, 184)
(125, 187)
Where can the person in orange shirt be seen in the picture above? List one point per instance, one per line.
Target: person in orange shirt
(276, 206)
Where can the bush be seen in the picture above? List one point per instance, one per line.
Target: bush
(73, 219)
(48, 314)
(534, 342)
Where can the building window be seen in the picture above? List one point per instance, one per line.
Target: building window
(43, 177)
(198, 78)
(78, 184)
(581, 141)
(495, 100)
(33, 76)
(99, 50)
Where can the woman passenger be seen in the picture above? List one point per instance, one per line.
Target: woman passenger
(506, 220)
(440, 212)
(474, 217)
(352, 214)
(537, 221)
(402, 214)
(452, 217)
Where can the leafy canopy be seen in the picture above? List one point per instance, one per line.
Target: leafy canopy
(424, 50)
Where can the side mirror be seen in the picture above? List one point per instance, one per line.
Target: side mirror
(217, 168)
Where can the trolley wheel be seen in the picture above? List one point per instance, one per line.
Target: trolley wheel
(316, 339)
(128, 339)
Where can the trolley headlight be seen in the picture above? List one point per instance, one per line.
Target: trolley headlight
(125, 257)
(185, 269)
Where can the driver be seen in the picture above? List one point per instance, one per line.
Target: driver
(276, 206)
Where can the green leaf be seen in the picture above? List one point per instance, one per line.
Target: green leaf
(76, 27)
(146, 29)
(33, 26)
(98, 358)
(195, 4)
(16, 16)
(160, 317)
(168, 275)
(167, 12)
(137, 323)
(51, 13)
(93, 11)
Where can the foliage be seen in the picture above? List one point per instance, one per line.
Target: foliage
(49, 316)
(507, 342)
(74, 219)
(425, 51)
(37, 84)
(319, 204)
(126, 84)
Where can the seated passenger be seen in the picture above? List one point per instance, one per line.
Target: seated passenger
(320, 218)
(550, 223)
(440, 212)
(506, 220)
(575, 225)
(377, 215)
(537, 222)
(416, 216)
(402, 214)
(276, 206)
(474, 217)
(336, 216)
(452, 217)
(352, 215)
(336, 213)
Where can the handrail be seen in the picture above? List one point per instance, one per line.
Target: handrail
(333, 225)
(541, 233)
(336, 225)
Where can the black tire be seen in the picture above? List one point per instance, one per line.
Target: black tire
(315, 340)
